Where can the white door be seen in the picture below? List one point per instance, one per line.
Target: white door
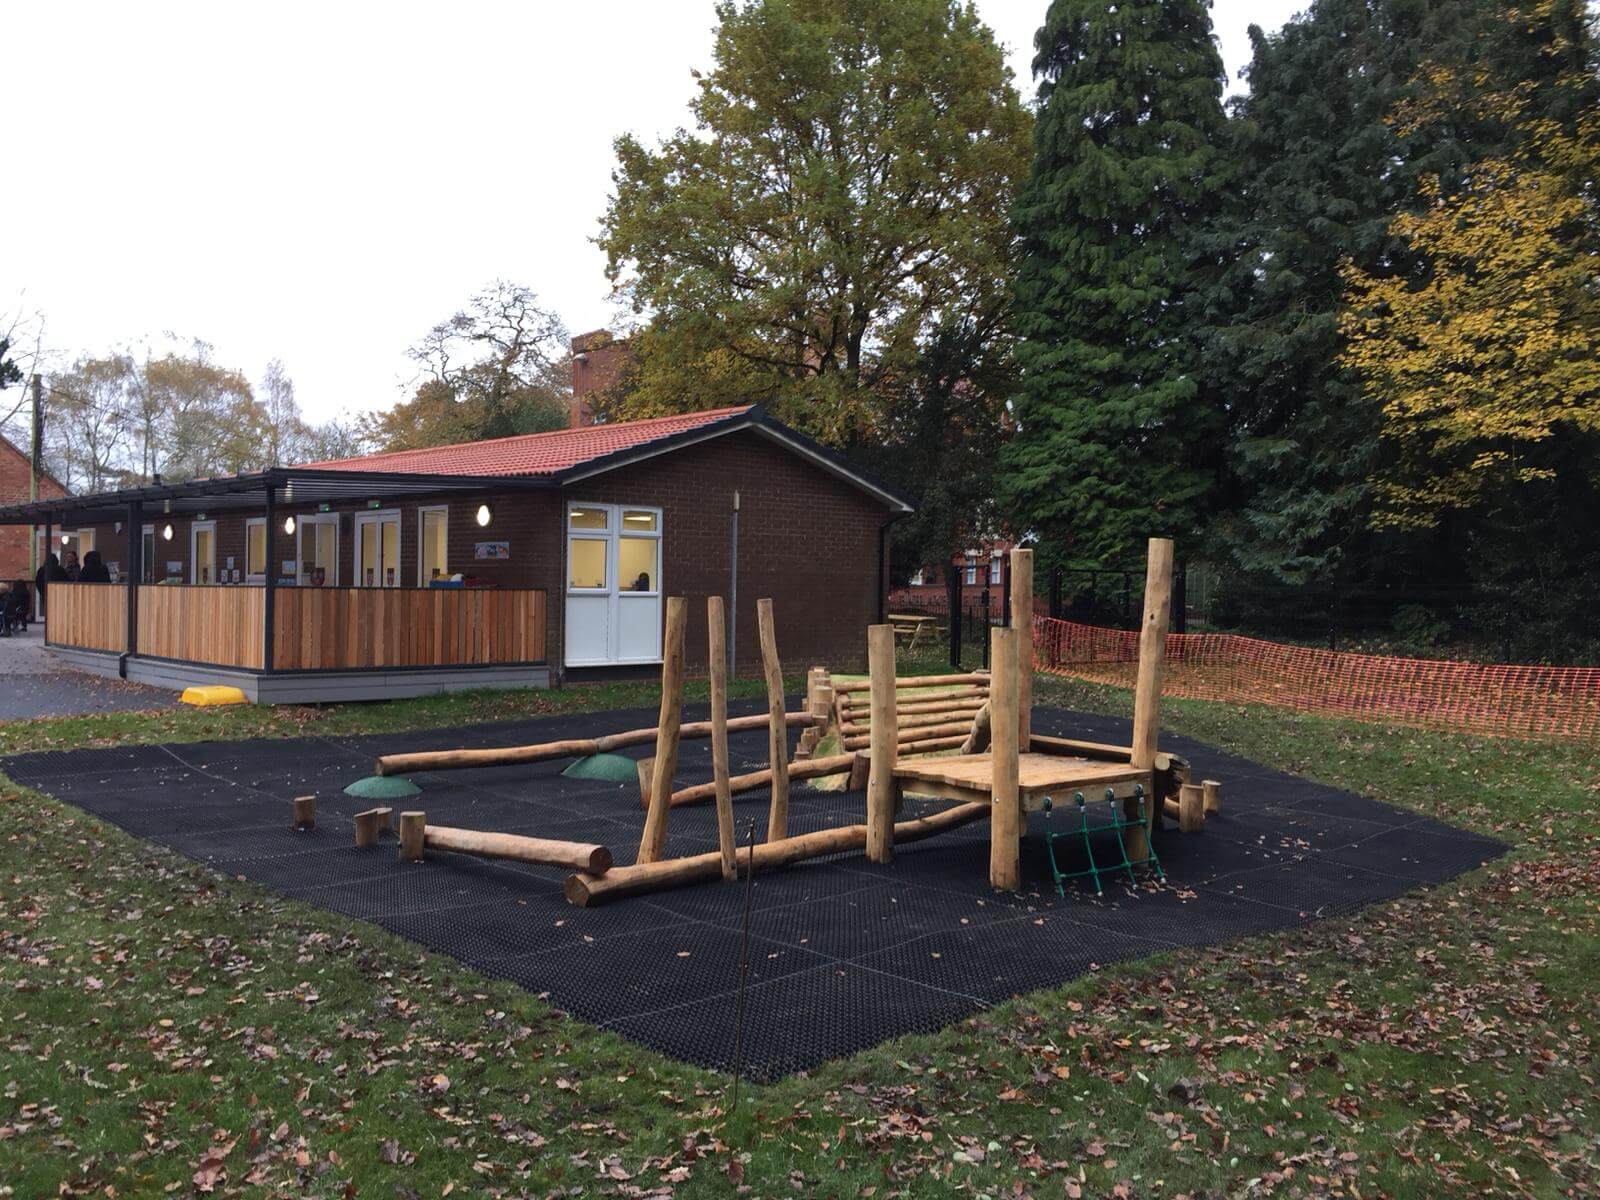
(203, 552)
(614, 589)
(317, 550)
(378, 549)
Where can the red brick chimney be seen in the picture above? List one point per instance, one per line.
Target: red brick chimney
(597, 362)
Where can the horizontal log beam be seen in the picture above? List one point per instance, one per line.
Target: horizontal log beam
(978, 692)
(916, 720)
(576, 856)
(811, 768)
(502, 756)
(944, 743)
(947, 729)
(588, 889)
(914, 681)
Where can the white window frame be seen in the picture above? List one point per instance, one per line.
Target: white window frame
(147, 568)
(607, 535)
(300, 524)
(652, 535)
(972, 571)
(195, 529)
(377, 516)
(612, 535)
(996, 574)
(422, 526)
(249, 524)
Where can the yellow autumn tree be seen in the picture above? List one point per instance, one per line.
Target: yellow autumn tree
(1485, 360)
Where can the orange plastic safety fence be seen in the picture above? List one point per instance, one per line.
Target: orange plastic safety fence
(1497, 699)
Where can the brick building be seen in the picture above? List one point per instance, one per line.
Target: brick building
(14, 560)
(601, 522)
(980, 571)
(599, 360)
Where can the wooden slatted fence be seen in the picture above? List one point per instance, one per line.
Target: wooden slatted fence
(220, 625)
(341, 629)
(88, 616)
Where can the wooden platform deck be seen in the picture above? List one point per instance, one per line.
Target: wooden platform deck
(971, 776)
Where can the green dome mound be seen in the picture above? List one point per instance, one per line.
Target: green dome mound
(382, 787)
(614, 768)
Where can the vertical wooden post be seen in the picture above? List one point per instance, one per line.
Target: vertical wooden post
(305, 812)
(1005, 821)
(666, 764)
(412, 827)
(883, 744)
(1147, 691)
(369, 826)
(1022, 621)
(1191, 808)
(778, 728)
(716, 623)
(1211, 796)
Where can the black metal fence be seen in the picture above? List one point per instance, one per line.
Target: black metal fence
(1405, 619)
(961, 617)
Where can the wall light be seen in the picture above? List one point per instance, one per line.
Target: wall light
(484, 515)
(166, 532)
(288, 524)
(65, 538)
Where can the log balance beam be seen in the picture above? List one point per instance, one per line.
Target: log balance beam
(811, 768)
(417, 835)
(587, 888)
(503, 756)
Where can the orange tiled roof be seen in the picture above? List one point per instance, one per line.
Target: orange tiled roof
(532, 453)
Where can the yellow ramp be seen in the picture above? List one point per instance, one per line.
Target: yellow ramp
(204, 697)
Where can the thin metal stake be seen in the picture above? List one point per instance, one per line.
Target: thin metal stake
(744, 964)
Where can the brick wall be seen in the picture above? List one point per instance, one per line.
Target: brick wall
(14, 490)
(807, 539)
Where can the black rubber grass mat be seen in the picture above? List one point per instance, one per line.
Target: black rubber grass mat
(844, 953)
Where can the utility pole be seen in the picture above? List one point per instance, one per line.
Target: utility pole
(36, 453)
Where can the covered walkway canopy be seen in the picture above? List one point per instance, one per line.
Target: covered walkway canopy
(241, 635)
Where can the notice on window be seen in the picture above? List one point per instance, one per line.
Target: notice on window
(491, 550)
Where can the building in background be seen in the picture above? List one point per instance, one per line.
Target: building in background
(510, 562)
(14, 559)
(981, 571)
(598, 361)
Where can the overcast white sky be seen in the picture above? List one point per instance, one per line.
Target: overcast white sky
(322, 182)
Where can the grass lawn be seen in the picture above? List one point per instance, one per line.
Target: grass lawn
(165, 1030)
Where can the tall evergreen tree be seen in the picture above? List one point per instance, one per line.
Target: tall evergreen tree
(1318, 172)
(1112, 423)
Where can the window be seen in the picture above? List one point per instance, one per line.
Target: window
(433, 544)
(586, 563)
(588, 518)
(639, 520)
(916, 578)
(378, 549)
(255, 550)
(317, 550)
(995, 569)
(972, 569)
(147, 554)
(638, 564)
(203, 552)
